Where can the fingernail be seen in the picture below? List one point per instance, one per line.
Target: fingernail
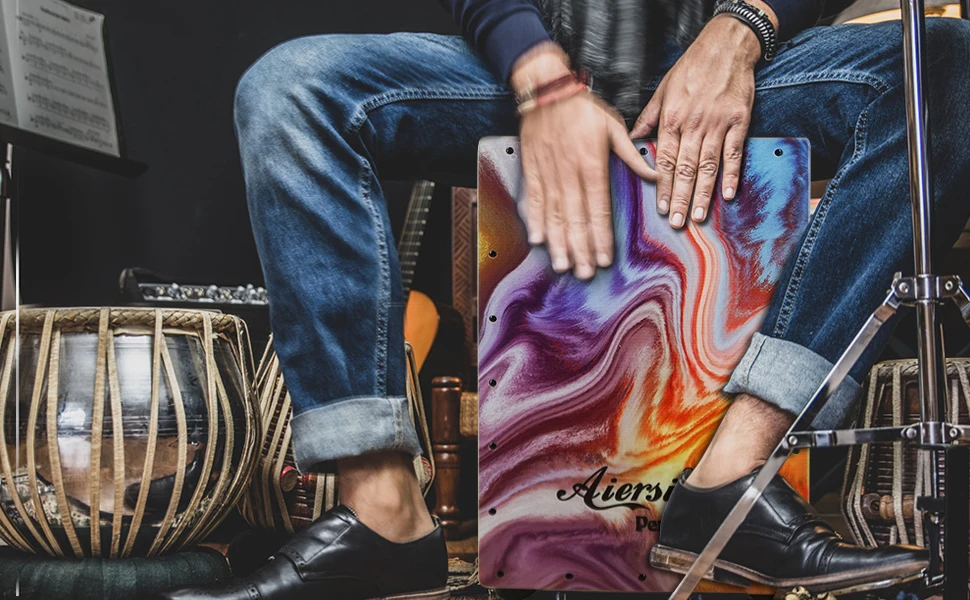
(584, 271)
(677, 220)
(698, 214)
(535, 238)
(729, 194)
(560, 264)
(603, 259)
(664, 205)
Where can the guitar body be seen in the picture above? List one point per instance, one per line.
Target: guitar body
(420, 314)
(420, 325)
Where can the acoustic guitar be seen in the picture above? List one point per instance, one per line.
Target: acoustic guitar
(421, 316)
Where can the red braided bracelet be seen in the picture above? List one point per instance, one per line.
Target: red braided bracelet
(580, 76)
(552, 91)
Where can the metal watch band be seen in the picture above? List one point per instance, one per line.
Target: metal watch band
(757, 20)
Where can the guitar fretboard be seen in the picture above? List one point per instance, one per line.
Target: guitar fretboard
(410, 244)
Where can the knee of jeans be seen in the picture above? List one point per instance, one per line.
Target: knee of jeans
(947, 55)
(290, 78)
(947, 81)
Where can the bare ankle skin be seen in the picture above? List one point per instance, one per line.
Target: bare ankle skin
(384, 492)
(749, 432)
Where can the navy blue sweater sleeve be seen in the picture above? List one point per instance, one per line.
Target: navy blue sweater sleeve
(501, 30)
(795, 15)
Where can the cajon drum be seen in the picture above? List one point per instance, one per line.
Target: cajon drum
(595, 395)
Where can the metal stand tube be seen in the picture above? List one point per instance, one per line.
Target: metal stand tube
(926, 293)
(917, 127)
(932, 364)
(932, 368)
(957, 550)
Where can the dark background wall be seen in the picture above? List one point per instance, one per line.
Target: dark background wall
(175, 66)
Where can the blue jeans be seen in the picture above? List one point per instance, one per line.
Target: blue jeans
(319, 119)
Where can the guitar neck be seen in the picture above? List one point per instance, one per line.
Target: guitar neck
(414, 224)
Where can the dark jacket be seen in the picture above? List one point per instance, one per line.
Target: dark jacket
(502, 30)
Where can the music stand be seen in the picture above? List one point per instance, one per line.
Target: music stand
(12, 137)
(932, 434)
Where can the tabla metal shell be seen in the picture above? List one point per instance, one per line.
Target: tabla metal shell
(279, 497)
(178, 381)
(882, 480)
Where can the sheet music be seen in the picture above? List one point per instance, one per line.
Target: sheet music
(60, 75)
(8, 104)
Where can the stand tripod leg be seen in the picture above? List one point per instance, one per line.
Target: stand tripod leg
(956, 551)
(963, 303)
(774, 463)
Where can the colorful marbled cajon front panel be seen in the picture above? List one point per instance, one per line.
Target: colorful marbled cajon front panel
(595, 395)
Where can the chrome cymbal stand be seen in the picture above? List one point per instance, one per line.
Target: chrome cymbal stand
(924, 292)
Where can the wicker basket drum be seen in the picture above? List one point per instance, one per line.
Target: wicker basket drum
(125, 432)
(883, 480)
(279, 497)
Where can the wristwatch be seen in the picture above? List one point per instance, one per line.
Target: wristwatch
(756, 19)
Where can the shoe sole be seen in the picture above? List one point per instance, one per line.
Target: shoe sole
(439, 594)
(679, 561)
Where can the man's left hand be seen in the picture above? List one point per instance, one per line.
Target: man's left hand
(703, 108)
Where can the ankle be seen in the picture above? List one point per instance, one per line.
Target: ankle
(706, 476)
(384, 492)
(742, 443)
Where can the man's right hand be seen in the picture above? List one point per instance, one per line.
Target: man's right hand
(565, 149)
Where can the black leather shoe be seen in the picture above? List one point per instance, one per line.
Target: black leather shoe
(783, 542)
(340, 558)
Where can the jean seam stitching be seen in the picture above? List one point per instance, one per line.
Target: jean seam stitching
(386, 98)
(383, 299)
(398, 425)
(794, 283)
(357, 121)
(747, 372)
(826, 77)
(877, 84)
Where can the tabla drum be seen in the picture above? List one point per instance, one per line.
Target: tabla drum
(883, 480)
(126, 431)
(279, 497)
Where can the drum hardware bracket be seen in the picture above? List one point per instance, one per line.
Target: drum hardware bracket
(924, 293)
(910, 290)
(963, 303)
(925, 435)
(930, 434)
(931, 504)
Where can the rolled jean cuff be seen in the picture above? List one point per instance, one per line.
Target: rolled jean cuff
(787, 375)
(352, 427)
